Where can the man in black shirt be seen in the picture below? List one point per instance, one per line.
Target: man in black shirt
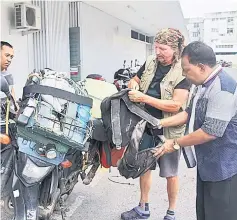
(164, 91)
(154, 89)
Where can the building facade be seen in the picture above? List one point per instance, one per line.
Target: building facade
(195, 28)
(85, 37)
(220, 31)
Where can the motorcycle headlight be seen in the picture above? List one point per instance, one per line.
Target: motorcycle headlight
(51, 152)
(33, 173)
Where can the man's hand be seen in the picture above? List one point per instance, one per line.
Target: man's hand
(136, 96)
(167, 147)
(133, 84)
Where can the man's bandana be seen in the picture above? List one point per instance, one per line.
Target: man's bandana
(173, 38)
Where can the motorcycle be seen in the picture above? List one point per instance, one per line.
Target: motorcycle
(8, 131)
(46, 170)
(96, 77)
(224, 63)
(40, 187)
(123, 76)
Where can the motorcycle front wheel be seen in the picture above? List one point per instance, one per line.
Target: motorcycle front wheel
(8, 205)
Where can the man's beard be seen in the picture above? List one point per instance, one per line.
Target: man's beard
(163, 61)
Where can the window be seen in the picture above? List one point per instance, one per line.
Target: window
(230, 30)
(149, 39)
(134, 34)
(195, 34)
(224, 46)
(230, 20)
(227, 53)
(142, 37)
(196, 25)
(214, 30)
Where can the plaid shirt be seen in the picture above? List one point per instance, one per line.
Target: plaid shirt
(216, 114)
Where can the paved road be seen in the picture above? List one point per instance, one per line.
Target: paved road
(105, 200)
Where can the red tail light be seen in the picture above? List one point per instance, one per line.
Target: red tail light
(66, 164)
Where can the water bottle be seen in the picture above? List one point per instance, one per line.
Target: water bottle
(27, 113)
(83, 117)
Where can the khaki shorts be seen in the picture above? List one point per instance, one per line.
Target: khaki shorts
(169, 163)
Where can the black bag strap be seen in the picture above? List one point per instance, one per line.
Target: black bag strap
(137, 136)
(115, 123)
(59, 93)
(140, 112)
(106, 147)
(135, 163)
(115, 116)
(188, 151)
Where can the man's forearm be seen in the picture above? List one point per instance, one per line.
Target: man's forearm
(195, 138)
(179, 119)
(13, 94)
(14, 97)
(164, 105)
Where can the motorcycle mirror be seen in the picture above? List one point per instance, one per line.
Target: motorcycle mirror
(5, 86)
(124, 63)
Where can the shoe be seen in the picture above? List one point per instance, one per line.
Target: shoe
(135, 214)
(168, 217)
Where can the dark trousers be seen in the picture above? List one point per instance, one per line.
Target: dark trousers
(217, 200)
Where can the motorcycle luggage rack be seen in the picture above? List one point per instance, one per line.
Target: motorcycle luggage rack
(63, 128)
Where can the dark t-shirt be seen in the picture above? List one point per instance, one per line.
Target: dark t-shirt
(154, 88)
(3, 97)
(10, 81)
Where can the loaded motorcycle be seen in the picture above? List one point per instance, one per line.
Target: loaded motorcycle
(125, 74)
(56, 142)
(8, 130)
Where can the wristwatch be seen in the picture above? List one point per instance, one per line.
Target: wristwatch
(176, 146)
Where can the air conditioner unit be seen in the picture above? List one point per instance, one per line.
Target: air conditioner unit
(27, 16)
